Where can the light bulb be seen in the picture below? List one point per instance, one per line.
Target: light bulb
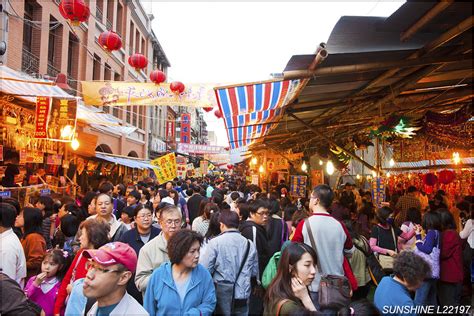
(320, 162)
(254, 160)
(304, 167)
(358, 176)
(388, 174)
(75, 144)
(66, 132)
(374, 174)
(329, 168)
(391, 162)
(261, 170)
(456, 158)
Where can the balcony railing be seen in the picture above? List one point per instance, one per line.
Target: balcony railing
(98, 14)
(52, 71)
(108, 24)
(73, 84)
(29, 62)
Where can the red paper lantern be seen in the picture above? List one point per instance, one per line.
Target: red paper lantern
(227, 148)
(157, 76)
(76, 11)
(430, 179)
(177, 87)
(230, 167)
(110, 41)
(137, 61)
(208, 108)
(218, 113)
(446, 176)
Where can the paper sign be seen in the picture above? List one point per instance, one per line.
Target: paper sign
(54, 160)
(204, 165)
(165, 168)
(255, 179)
(298, 186)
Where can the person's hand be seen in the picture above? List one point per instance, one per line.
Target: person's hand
(391, 253)
(418, 229)
(69, 289)
(39, 279)
(53, 217)
(298, 287)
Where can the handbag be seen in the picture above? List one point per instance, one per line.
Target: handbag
(375, 270)
(334, 290)
(225, 291)
(386, 261)
(433, 258)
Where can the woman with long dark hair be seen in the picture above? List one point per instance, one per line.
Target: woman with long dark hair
(288, 291)
(34, 245)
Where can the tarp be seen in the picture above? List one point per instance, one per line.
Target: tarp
(128, 162)
(28, 88)
(250, 111)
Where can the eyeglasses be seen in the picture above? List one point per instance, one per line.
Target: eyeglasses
(91, 265)
(142, 216)
(263, 213)
(170, 222)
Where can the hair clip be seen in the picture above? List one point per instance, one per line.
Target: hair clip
(352, 310)
(65, 254)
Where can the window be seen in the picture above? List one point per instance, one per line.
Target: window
(116, 110)
(27, 27)
(137, 41)
(141, 117)
(135, 115)
(130, 40)
(96, 68)
(119, 26)
(129, 114)
(110, 13)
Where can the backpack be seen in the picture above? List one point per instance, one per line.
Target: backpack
(270, 269)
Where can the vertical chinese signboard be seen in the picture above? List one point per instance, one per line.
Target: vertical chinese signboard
(298, 186)
(170, 131)
(181, 167)
(41, 122)
(165, 168)
(317, 177)
(378, 191)
(185, 128)
(204, 164)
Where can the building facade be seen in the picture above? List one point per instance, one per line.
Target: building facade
(41, 43)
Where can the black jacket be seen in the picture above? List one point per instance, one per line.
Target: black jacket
(193, 206)
(246, 229)
(277, 232)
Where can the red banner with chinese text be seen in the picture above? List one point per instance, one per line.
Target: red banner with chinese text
(41, 121)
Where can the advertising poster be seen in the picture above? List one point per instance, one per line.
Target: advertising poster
(298, 186)
(165, 168)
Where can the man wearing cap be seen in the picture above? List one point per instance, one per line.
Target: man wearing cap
(108, 270)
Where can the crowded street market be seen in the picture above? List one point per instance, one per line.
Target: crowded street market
(344, 185)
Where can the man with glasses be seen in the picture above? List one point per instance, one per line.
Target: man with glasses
(137, 237)
(154, 253)
(331, 237)
(254, 229)
(108, 270)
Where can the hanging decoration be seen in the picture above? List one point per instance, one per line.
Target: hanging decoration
(177, 87)
(110, 41)
(446, 177)
(396, 125)
(138, 61)
(208, 109)
(430, 179)
(230, 167)
(157, 76)
(342, 159)
(76, 11)
(218, 113)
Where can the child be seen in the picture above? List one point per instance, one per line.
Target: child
(127, 216)
(43, 288)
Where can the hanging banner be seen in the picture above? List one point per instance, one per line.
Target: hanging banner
(317, 177)
(165, 168)
(201, 149)
(378, 191)
(119, 93)
(170, 132)
(41, 119)
(298, 186)
(181, 167)
(185, 128)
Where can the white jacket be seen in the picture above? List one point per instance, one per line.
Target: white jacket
(127, 306)
(152, 255)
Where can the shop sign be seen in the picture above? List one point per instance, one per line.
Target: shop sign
(204, 164)
(317, 177)
(5, 194)
(113, 93)
(165, 168)
(378, 191)
(170, 131)
(31, 157)
(54, 160)
(181, 167)
(185, 128)
(41, 120)
(44, 192)
(298, 186)
(200, 149)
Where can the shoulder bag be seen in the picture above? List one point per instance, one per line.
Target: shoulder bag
(334, 290)
(225, 291)
(433, 258)
(386, 261)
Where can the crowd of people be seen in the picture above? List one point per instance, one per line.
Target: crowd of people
(218, 245)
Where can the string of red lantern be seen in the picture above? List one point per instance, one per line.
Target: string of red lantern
(218, 113)
(138, 61)
(208, 108)
(157, 76)
(110, 41)
(177, 87)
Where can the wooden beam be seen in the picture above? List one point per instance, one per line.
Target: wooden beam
(451, 166)
(330, 141)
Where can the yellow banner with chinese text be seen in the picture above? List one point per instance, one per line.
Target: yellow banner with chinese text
(165, 168)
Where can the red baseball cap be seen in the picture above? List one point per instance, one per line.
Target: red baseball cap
(114, 253)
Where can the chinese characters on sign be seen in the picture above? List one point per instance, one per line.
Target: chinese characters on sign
(185, 128)
(181, 167)
(298, 186)
(165, 168)
(204, 164)
(41, 122)
(170, 131)
(378, 191)
(200, 149)
(317, 177)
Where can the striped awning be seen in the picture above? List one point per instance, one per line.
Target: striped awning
(128, 162)
(250, 111)
(28, 88)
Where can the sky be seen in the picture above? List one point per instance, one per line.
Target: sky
(238, 42)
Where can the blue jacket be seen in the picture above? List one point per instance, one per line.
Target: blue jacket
(162, 298)
(392, 298)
